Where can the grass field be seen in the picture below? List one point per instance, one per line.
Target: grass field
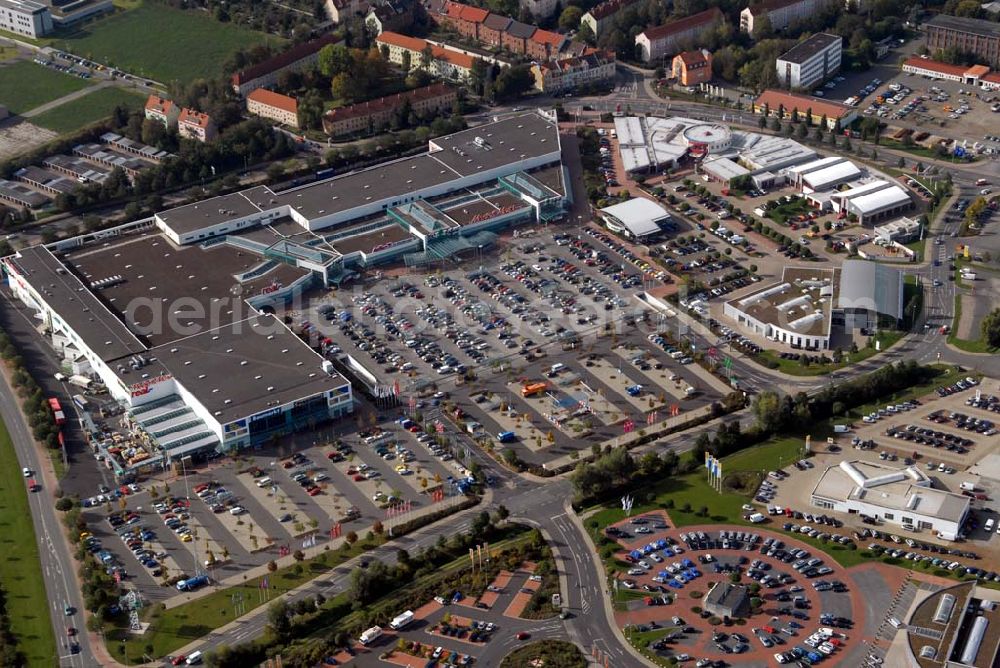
(20, 571)
(163, 43)
(25, 85)
(86, 110)
(886, 337)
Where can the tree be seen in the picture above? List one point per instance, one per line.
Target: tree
(990, 328)
(278, 619)
(570, 18)
(426, 57)
(335, 59)
(513, 82)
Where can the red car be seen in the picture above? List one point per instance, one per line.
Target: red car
(335, 456)
(359, 478)
(71, 631)
(315, 491)
(178, 660)
(523, 635)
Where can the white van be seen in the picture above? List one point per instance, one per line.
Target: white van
(989, 525)
(264, 482)
(557, 367)
(194, 659)
(841, 428)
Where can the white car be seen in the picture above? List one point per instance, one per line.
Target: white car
(26, 471)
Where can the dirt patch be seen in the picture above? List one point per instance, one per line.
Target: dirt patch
(19, 136)
(973, 310)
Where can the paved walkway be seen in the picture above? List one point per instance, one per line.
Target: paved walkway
(59, 101)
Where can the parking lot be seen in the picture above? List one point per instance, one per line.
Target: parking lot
(232, 516)
(950, 436)
(552, 312)
(671, 569)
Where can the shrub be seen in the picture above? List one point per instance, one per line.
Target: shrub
(696, 609)
(697, 594)
(714, 621)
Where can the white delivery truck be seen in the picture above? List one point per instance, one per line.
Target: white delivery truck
(968, 486)
(371, 635)
(401, 620)
(81, 381)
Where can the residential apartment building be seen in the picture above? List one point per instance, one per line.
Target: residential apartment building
(196, 125)
(340, 11)
(24, 17)
(781, 13)
(974, 36)
(463, 18)
(670, 38)
(691, 68)
(539, 9)
(277, 107)
(543, 44)
(265, 74)
(162, 111)
(500, 31)
(780, 103)
(557, 76)
(810, 62)
(374, 115)
(491, 30)
(602, 17)
(394, 15)
(445, 63)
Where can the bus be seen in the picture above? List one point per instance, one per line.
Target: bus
(57, 411)
(81, 402)
(532, 389)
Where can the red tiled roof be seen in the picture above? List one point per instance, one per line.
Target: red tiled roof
(192, 117)
(454, 10)
(386, 103)
(935, 66)
(416, 44)
(404, 41)
(992, 78)
(701, 18)
(776, 98)
(473, 14)
(276, 100)
(547, 37)
(159, 105)
(284, 59)
(690, 58)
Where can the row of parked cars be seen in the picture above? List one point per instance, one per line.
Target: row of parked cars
(128, 526)
(621, 249)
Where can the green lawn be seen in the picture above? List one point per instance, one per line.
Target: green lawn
(886, 337)
(788, 210)
(163, 43)
(25, 85)
(20, 572)
(88, 109)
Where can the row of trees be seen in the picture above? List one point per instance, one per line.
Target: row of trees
(11, 655)
(616, 469)
(33, 400)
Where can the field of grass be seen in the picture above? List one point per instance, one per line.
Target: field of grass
(86, 110)
(788, 210)
(20, 571)
(968, 345)
(166, 44)
(25, 85)
(7, 52)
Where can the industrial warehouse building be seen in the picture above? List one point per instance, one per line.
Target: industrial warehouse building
(175, 314)
(807, 305)
(904, 497)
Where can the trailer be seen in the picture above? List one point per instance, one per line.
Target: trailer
(81, 381)
(401, 620)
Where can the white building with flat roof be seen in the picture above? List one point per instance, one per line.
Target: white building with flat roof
(636, 218)
(811, 61)
(905, 497)
(24, 17)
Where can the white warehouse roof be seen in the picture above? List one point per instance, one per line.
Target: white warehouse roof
(639, 215)
(873, 203)
(723, 169)
(826, 178)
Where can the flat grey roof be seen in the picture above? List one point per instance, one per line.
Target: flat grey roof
(450, 157)
(805, 50)
(209, 212)
(246, 367)
(871, 286)
(162, 282)
(82, 311)
(975, 26)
